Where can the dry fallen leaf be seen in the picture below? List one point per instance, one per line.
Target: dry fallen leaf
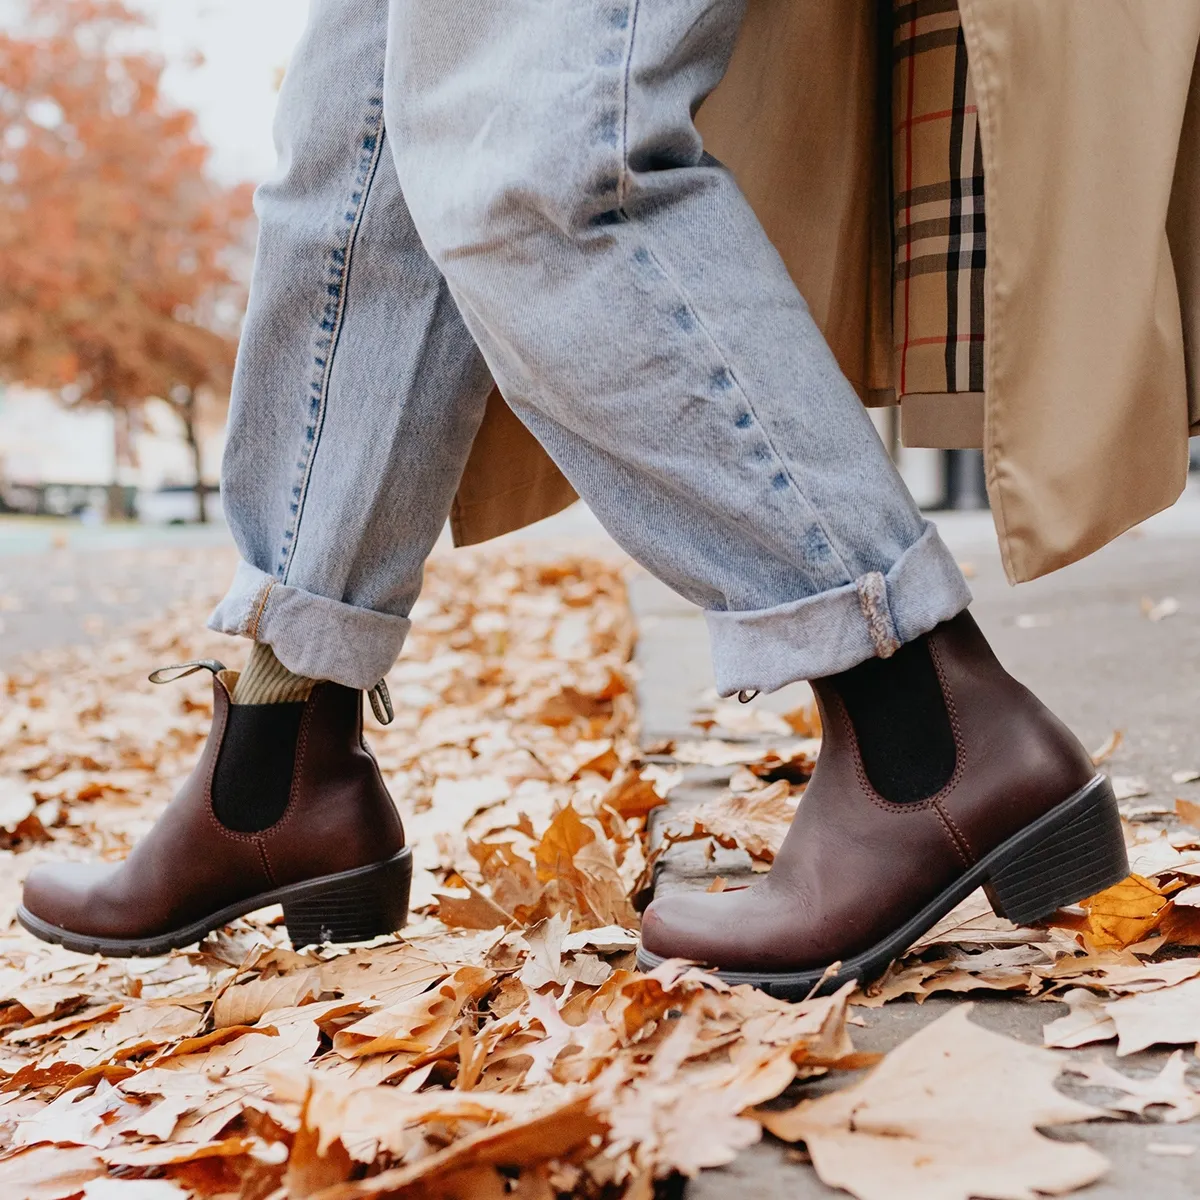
(1103, 753)
(1125, 914)
(1088, 1021)
(1188, 811)
(952, 1113)
(415, 1025)
(502, 1047)
(1169, 1087)
(245, 1003)
(134, 1189)
(1159, 610)
(1129, 787)
(756, 822)
(17, 802)
(49, 1172)
(1167, 1016)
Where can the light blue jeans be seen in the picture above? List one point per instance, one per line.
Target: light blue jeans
(472, 190)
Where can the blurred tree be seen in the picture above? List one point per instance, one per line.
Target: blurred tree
(120, 256)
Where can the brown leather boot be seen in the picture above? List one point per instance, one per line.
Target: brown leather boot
(333, 853)
(859, 878)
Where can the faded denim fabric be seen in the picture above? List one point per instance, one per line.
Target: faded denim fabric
(472, 190)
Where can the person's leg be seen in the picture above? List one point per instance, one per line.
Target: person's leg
(637, 318)
(358, 389)
(357, 395)
(639, 321)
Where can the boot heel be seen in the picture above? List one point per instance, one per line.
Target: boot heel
(354, 906)
(1074, 852)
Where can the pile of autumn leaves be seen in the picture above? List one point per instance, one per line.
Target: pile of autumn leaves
(504, 1044)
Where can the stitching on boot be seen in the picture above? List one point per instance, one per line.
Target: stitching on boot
(860, 772)
(960, 751)
(947, 825)
(266, 862)
(873, 600)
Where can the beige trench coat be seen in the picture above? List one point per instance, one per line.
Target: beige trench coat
(1089, 126)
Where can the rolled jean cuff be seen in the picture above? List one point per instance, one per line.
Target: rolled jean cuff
(871, 617)
(311, 635)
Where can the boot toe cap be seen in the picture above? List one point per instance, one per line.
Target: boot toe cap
(63, 895)
(704, 927)
(757, 928)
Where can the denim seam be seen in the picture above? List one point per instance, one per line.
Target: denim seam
(252, 633)
(330, 328)
(815, 515)
(623, 169)
(622, 195)
(876, 610)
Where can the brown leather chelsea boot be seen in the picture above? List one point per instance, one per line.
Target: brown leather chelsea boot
(1002, 797)
(286, 806)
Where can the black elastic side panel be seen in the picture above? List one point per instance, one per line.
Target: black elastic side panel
(899, 715)
(253, 779)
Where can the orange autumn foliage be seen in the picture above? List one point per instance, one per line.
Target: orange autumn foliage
(121, 258)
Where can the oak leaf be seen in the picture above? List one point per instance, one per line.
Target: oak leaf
(49, 1172)
(415, 1025)
(1169, 1088)
(756, 822)
(951, 1114)
(247, 1002)
(1168, 1016)
(1087, 1021)
(1126, 913)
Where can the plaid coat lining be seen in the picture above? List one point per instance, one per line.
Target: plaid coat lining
(938, 206)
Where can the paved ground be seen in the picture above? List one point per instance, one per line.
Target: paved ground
(61, 583)
(1079, 638)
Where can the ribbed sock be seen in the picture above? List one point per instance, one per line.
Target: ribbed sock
(899, 714)
(267, 681)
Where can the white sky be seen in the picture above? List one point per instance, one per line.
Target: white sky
(245, 44)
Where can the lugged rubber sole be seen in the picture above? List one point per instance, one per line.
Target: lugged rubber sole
(351, 906)
(1074, 851)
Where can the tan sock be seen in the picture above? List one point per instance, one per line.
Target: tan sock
(267, 681)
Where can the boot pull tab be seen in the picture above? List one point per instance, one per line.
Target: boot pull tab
(183, 670)
(381, 703)
(746, 695)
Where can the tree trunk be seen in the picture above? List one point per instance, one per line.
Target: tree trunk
(116, 506)
(187, 413)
